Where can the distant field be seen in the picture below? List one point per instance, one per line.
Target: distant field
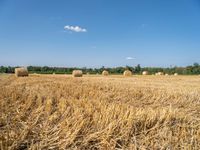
(97, 112)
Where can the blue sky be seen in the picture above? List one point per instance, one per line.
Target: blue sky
(95, 33)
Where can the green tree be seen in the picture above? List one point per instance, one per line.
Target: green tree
(137, 69)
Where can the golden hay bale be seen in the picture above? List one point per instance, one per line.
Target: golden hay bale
(21, 72)
(77, 73)
(127, 73)
(160, 73)
(105, 73)
(175, 74)
(145, 73)
(166, 74)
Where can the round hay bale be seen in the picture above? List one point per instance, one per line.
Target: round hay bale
(105, 73)
(145, 73)
(127, 73)
(175, 74)
(166, 74)
(160, 73)
(21, 72)
(77, 73)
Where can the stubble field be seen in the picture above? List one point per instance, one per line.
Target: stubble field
(97, 112)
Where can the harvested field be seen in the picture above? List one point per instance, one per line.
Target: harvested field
(97, 112)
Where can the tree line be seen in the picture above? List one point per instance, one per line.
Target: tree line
(188, 70)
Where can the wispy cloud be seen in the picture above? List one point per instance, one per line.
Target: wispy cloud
(75, 28)
(129, 58)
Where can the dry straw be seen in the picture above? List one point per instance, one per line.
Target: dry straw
(62, 105)
(77, 73)
(105, 73)
(127, 73)
(116, 113)
(145, 73)
(21, 72)
(48, 106)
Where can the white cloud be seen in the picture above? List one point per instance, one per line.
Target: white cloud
(130, 58)
(75, 28)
